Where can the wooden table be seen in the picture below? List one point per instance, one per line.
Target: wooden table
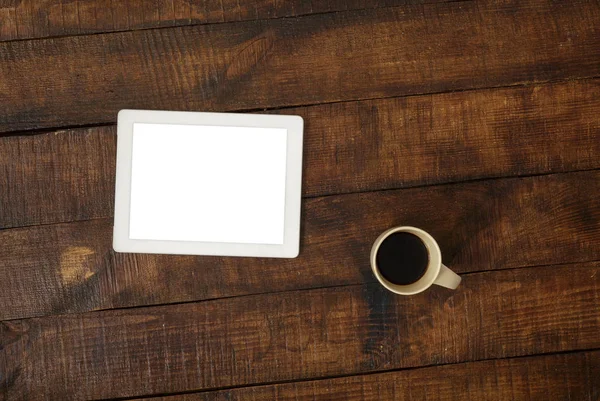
(478, 121)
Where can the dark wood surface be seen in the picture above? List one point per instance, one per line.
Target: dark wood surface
(328, 57)
(478, 121)
(27, 19)
(302, 334)
(556, 377)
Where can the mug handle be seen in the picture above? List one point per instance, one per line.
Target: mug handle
(447, 278)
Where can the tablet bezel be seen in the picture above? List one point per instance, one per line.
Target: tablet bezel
(293, 184)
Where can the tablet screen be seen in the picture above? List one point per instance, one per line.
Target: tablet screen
(208, 183)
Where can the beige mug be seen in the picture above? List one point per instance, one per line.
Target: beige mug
(435, 272)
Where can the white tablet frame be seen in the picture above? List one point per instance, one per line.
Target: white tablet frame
(291, 243)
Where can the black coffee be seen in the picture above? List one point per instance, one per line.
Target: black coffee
(402, 258)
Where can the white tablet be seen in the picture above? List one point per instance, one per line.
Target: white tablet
(208, 183)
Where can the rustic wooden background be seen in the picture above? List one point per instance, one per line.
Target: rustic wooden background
(476, 120)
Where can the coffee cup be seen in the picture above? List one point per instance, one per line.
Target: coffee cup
(407, 260)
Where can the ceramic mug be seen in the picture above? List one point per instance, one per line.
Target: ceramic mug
(435, 272)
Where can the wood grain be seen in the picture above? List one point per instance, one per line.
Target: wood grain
(493, 224)
(306, 60)
(355, 146)
(57, 176)
(300, 335)
(555, 377)
(28, 19)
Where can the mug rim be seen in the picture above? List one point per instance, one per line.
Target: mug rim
(429, 243)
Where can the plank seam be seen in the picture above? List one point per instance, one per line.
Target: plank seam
(526, 84)
(358, 284)
(327, 195)
(258, 20)
(323, 378)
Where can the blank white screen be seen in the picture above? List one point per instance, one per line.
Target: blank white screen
(208, 183)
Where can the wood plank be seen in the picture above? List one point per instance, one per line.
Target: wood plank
(355, 146)
(309, 334)
(29, 19)
(551, 377)
(306, 60)
(57, 176)
(493, 224)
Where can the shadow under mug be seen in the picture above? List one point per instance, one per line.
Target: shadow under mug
(435, 273)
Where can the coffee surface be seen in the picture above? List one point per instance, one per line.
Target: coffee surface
(402, 258)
